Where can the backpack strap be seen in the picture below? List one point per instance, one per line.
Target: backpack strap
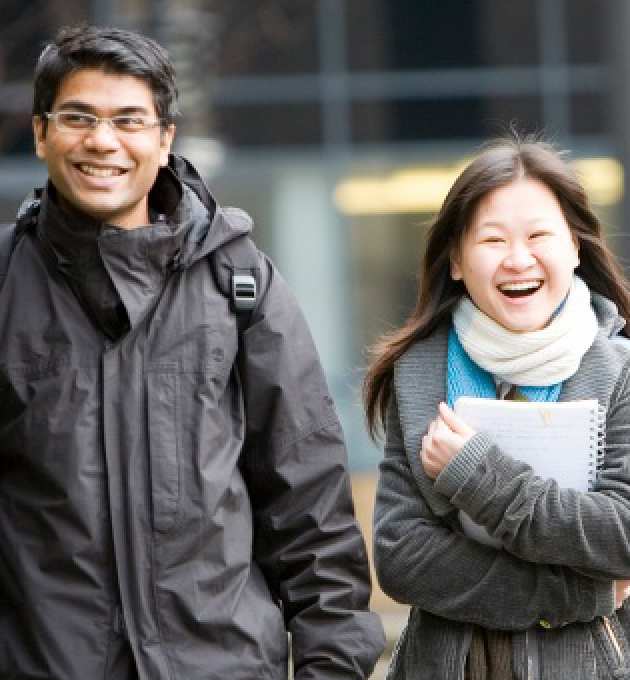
(236, 264)
(10, 233)
(7, 244)
(237, 271)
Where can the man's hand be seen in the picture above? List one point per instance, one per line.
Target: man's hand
(622, 592)
(446, 436)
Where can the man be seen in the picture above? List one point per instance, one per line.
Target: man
(162, 515)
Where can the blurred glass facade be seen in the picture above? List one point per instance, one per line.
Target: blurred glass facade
(339, 124)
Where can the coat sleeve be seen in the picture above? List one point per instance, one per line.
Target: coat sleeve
(307, 541)
(538, 521)
(421, 561)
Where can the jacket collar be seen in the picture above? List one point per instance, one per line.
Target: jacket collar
(94, 256)
(419, 386)
(75, 236)
(188, 226)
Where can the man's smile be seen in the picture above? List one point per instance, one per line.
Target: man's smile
(103, 171)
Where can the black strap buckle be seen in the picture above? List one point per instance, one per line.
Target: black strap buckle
(244, 291)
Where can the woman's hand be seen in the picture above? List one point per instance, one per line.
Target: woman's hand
(622, 592)
(446, 436)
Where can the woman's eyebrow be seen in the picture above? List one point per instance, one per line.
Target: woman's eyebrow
(492, 223)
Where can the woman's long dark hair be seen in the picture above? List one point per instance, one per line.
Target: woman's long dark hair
(500, 163)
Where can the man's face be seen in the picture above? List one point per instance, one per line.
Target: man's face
(103, 172)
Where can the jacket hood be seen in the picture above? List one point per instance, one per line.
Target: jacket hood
(207, 225)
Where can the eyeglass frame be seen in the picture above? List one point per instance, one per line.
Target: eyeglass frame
(95, 121)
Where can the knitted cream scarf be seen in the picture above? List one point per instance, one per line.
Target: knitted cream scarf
(544, 357)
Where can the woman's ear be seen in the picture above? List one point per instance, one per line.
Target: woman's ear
(576, 245)
(456, 268)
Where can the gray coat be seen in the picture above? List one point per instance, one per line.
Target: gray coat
(562, 549)
(161, 517)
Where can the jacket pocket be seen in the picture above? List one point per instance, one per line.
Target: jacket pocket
(162, 395)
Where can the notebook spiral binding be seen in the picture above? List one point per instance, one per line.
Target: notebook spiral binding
(598, 442)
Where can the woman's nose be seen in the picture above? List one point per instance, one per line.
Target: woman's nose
(519, 257)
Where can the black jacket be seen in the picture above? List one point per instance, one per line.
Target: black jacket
(137, 529)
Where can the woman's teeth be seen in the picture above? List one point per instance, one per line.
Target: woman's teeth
(517, 288)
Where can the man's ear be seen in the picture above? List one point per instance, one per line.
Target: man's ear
(39, 137)
(166, 141)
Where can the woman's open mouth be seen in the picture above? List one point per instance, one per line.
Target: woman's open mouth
(519, 289)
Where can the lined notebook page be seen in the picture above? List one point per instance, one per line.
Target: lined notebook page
(559, 440)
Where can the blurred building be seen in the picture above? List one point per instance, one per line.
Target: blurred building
(339, 125)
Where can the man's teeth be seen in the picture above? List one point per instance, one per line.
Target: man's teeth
(520, 285)
(100, 172)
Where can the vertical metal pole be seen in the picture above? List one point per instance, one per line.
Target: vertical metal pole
(333, 71)
(157, 20)
(552, 31)
(618, 30)
(102, 12)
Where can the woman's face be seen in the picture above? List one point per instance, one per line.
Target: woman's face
(517, 255)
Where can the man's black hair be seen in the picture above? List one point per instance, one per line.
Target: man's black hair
(112, 50)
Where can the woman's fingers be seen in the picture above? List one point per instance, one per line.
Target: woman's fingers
(454, 422)
(439, 445)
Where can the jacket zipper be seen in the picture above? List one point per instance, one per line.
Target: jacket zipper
(613, 638)
(531, 646)
(120, 627)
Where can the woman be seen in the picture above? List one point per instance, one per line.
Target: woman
(514, 254)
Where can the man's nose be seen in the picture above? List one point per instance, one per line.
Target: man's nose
(102, 138)
(519, 257)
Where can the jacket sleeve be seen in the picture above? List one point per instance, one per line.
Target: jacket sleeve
(421, 561)
(535, 519)
(307, 541)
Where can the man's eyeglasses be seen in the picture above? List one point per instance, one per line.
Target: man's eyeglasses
(77, 121)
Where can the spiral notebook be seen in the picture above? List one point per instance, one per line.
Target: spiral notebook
(563, 441)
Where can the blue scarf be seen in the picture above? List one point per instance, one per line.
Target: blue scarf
(464, 378)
